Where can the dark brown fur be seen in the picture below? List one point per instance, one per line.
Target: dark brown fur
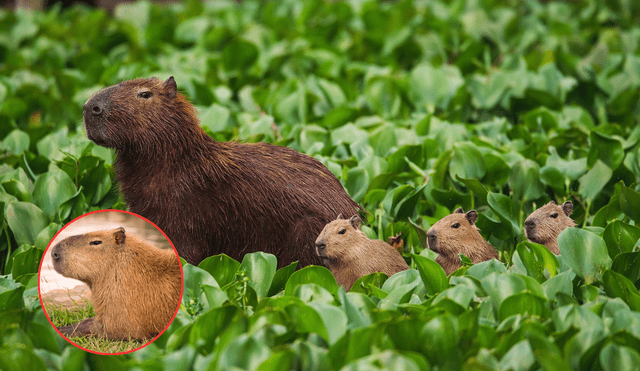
(457, 234)
(135, 287)
(350, 254)
(545, 224)
(211, 197)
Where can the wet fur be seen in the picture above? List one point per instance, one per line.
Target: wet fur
(448, 242)
(212, 197)
(540, 227)
(352, 255)
(135, 287)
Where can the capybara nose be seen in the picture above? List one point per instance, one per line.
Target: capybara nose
(320, 246)
(432, 238)
(529, 224)
(55, 255)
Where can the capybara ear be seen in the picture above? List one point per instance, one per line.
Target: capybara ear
(567, 207)
(552, 202)
(339, 217)
(170, 87)
(459, 211)
(471, 216)
(119, 236)
(355, 221)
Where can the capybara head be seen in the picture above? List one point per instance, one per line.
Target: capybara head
(457, 234)
(143, 110)
(135, 287)
(336, 239)
(350, 254)
(545, 224)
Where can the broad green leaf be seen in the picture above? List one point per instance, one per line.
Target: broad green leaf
(281, 277)
(501, 286)
(260, 268)
(51, 190)
(386, 360)
(615, 357)
(585, 252)
(226, 321)
(311, 274)
(17, 189)
(26, 221)
(523, 303)
(630, 203)
(244, 352)
(606, 149)
(11, 294)
(627, 264)
(27, 261)
(239, 55)
(525, 181)
(216, 118)
(433, 87)
(440, 339)
(503, 206)
(432, 274)
(16, 142)
(356, 183)
(620, 237)
(537, 259)
(619, 286)
(194, 297)
(221, 267)
(334, 319)
(592, 183)
(467, 162)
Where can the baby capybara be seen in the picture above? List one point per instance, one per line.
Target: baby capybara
(135, 287)
(350, 254)
(545, 224)
(457, 234)
(211, 197)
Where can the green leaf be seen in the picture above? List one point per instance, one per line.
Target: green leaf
(26, 220)
(216, 118)
(619, 286)
(239, 55)
(16, 142)
(537, 259)
(620, 237)
(194, 297)
(523, 303)
(630, 203)
(433, 86)
(27, 261)
(260, 268)
(386, 360)
(51, 190)
(440, 340)
(503, 206)
(224, 322)
(606, 149)
(467, 162)
(281, 277)
(525, 181)
(244, 352)
(585, 252)
(627, 264)
(614, 357)
(17, 189)
(334, 319)
(10, 294)
(356, 183)
(311, 274)
(221, 267)
(592, 183)
(432, 274)
(501, 286)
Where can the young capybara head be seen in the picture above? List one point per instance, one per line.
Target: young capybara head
(144, 110)
(350, 254)
(545, 224)
(135, 287)
(457, 234)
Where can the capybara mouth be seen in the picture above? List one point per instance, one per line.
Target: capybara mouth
(431, 242)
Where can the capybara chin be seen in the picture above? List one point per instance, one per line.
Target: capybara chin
(135, 287)
(211, 197)
(350, 254)
(457, 234)
(545, 224)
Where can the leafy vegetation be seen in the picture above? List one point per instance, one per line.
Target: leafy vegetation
(418, 107)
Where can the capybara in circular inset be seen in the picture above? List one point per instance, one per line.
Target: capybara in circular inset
(211, 197)
(457, 234)
(135, 287)
(545, 224)
(350, 254)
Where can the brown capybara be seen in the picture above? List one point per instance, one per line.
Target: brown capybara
(545, 224)
(350, 254)
(457, 234)
(211, 197)
(135, 287)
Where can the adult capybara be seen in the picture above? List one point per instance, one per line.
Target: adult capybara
(350, 254)
(545, 224)
(135, 287)
(457, 234)
(211, 197)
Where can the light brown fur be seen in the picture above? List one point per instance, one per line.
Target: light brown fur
(135, 287)
(545, 224)
(350, 254)
(457, 234)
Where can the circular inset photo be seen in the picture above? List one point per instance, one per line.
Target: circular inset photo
(110, 282)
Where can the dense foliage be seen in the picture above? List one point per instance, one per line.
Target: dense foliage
(418, 107)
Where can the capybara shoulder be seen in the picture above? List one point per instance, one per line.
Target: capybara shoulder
(211, 197)
(135, 287)
(545, 224)
(457, 234)
(350, 254)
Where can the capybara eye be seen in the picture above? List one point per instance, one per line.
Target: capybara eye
(145, 94)
(554, 215)
(98, 242)
(342, 231)
(455, 225)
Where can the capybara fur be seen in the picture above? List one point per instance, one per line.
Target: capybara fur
(457, 234)
(350, 254)
(545, 224)
(135, 287)
(211, 197)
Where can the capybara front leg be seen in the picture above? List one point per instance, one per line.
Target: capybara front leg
(87, 327)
